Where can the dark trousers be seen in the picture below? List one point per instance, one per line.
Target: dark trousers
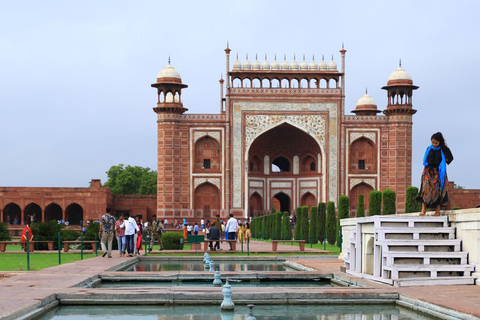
(129, 239)
(231, 236)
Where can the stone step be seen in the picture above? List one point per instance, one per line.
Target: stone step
(413, 222)
(426, 281)
(414, 233)
(440, 245)
(426, 257)
(431, 267)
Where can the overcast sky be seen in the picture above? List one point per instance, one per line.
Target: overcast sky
(75, 95)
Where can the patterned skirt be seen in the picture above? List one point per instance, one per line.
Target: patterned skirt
(430, 192)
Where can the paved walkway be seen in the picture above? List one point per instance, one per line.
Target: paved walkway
(24, 291)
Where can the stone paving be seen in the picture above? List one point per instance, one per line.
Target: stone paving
(21, 292)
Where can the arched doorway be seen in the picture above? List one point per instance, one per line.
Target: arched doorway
(282, 202)
(289, 154)
(12, 213)
(207, 201)
(361, 188)
(363, 156)
(74, 213)
(207, 155)
(53, 212)
(255, 205)
(308, 200)
(32, 211)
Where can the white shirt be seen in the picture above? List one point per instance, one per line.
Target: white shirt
(232, 225)
(189, 228)
(131, 226)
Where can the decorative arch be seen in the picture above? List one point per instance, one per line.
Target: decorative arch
(255, 205)
(362, 156)
(32, 210)
(12, 214)
(281, 202)
(308, 199)
(74, 214)
(281, 164)
(53, 212)
(206, 201)
(266, 83)
(246, 83)
(207, 155)
(256, 83)
(308, 164)
(356, 190)
(255, 165)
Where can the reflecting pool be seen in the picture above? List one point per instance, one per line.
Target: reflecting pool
(197, 265)
(261, 312)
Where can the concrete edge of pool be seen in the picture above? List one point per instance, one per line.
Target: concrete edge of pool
(366, 292)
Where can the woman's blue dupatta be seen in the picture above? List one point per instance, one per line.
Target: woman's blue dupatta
(442, 168)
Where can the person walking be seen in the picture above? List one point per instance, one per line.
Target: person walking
(120, 232)
(433, 188)
(156, 231)
(131, 228)
(195, 229)
(107, 224)
(231, 229)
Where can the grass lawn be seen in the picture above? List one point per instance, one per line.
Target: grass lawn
(320, 246)
(38, 261)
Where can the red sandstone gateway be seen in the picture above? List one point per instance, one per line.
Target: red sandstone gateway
(281, 140)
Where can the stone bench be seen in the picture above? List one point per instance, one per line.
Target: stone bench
(48, 242)
(66, 244)
(3, 245)
(233, 242)
(300, 242)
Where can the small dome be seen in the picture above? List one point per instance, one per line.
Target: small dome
(322, 65)
(169, 72)
(400, 74)
(366, 100)
(256, 64)
(275, 64)
(265, 64)
(313, 65)
(304, 65)
(246, 64)
(285, 64)
(294, 64)
(332, 65)
(237, 65)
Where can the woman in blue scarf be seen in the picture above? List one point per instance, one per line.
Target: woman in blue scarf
(434, 191)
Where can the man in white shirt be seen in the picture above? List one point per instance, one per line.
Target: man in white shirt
(231, 229)
(131, 228)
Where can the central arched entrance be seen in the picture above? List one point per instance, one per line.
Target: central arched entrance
(283, 164)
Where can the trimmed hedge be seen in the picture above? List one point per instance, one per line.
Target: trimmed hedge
(343, 212)
(331, 223)
(171, 240)
(411, 203)
(389, 202)
(322, 219)
(313, 233)
(286, 226)
(4, 232)
(304, 225)
(375, 203)
(361, 206)
(296, 230)
(262, 227)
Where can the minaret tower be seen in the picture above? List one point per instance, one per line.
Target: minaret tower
(399, 112)
(172, 167)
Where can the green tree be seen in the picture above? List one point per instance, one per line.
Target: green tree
(304, 225)
(4, 232)
(411, 203)
(361, 206)
(375, 203)
(313, 233)
(278, 225)
(131, 180)
(322, 219)
(286, 226)
(296, 229)
(389, 202)
(331, 223)
(343, 213)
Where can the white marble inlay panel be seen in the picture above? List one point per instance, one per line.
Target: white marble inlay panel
(354, 182)
(370, 135)
(199, 181)
(306, 184)
(258, 184)
(200, 134)
(281, 184)
(286, 191)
